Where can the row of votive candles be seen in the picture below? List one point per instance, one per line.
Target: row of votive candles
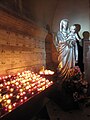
(17, 89)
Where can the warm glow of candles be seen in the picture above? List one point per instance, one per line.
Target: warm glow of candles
(8, 101)
(44, 71)
(16, 89)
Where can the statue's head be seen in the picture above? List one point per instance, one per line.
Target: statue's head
(64, 24)
(73, 29)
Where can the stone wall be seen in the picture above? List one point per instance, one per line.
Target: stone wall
(22, 44)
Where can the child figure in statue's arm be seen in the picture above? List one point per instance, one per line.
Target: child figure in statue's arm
(72, 41)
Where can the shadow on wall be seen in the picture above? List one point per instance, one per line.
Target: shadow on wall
(80, 49)
(48, 48)
(86, 35)
(78, 28)
(51, 63)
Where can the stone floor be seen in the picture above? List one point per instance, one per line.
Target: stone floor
(60, 106)
(53, 112)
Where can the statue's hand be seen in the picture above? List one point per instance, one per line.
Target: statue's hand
(73, 42)
(68, 42)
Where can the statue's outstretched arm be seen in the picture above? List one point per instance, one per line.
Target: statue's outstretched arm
(77, 37)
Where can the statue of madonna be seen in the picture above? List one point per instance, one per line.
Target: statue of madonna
(66, 42)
